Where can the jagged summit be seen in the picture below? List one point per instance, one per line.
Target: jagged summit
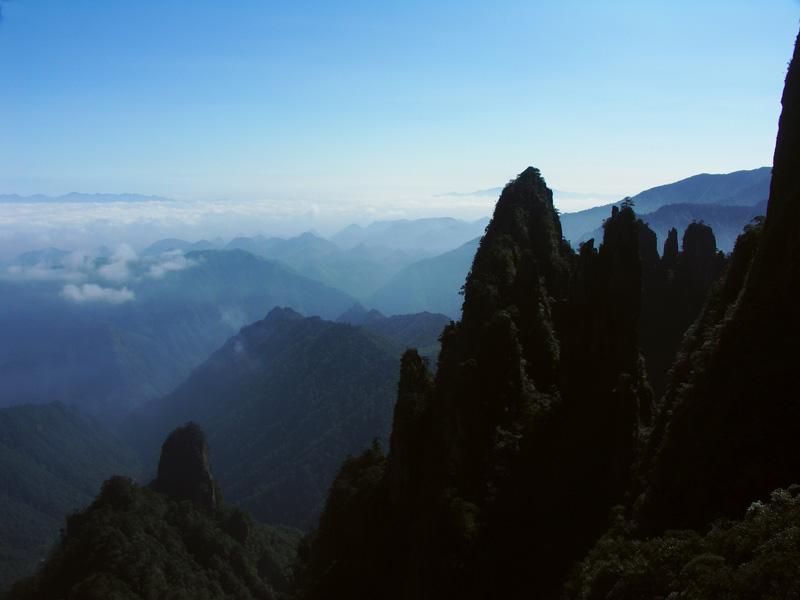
(729, 431)
(522, 244)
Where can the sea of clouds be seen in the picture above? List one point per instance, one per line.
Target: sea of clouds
(65, 225)
(27, 225)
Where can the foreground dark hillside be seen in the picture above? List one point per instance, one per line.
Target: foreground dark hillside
(730, 428)
(165, 540)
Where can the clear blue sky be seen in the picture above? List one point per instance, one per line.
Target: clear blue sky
(339, 100)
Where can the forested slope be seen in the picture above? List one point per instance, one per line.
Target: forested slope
(283, 402)
(135, 542)
(52, 461)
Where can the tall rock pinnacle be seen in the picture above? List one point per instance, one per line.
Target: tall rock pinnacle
(184, 470)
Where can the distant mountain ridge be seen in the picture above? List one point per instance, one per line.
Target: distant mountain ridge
(434, 235)
(740, 188)
(81, 197)
(431, 284)
(714, 198)
(357, 270)
(419, 330)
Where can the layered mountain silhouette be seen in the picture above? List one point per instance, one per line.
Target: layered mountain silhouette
(431, 284)
(108, 357)
(434, 235)
(540, 380)
(725, 202)
(419, 330)
(539, 460)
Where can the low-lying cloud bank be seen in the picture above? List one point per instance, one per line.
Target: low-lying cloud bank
(26, 226)
(95, 275)
(91, 292)
(34, 224)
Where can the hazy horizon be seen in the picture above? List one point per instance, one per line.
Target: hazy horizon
(276, 118)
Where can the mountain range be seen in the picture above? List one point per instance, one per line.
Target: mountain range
(107, 335)
(619, 421)
(539, 463)
(302, 392)
(726, 202)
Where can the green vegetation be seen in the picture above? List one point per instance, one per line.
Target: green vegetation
(505, 467)
(52, 462)
(755, 557)
(134, 542)
(282, 404)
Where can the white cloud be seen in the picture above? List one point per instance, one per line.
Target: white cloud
(234, 317)
(70, 225)
(117, 268)
(174, 260)
(80, 260)
(91, 292)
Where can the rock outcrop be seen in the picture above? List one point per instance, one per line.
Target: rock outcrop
(729, 431)
(184, 470)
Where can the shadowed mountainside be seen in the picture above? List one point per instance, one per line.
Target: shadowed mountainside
(283, 402)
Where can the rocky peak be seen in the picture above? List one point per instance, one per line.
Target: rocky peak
(184, 470)
(698, 261)
(671, 248)
(524, 221)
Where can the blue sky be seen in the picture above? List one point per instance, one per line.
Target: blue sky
(339, 103)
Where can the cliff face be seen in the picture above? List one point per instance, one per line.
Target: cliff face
(730, 430)
(184, 470)
(674, 289)
(503, 467)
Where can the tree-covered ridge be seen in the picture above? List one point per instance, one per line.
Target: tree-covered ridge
(674, 290)
(133, 542)
(418, 330)
(53, 459)
(283, 402)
